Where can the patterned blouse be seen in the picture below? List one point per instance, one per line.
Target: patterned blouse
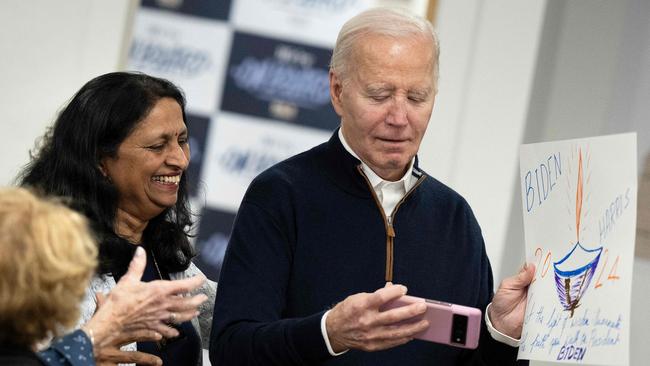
(73, 349)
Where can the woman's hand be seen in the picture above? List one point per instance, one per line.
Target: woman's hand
(134, 306)
(110, 354)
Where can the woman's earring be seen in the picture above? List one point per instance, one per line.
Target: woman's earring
(103, 172)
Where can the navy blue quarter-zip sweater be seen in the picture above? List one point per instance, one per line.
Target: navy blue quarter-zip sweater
(309, 233)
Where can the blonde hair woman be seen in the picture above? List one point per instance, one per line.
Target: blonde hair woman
(47, 258)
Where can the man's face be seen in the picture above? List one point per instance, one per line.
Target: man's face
(385, 100)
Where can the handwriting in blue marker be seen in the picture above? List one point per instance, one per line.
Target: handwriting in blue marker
(539, 342)
(553, 320)
(538, 316)
(530, 310)
(539, 182)
(612, 213)
(554, 343)
(608, 339)
(581, 321)
(571, 353)
(578, 339)
(609, 323)
(523, 345)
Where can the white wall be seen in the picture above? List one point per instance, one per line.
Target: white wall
(49, 49)
(487, 64)
(592, 78)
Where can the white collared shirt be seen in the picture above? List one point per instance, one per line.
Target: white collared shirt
(389, 194)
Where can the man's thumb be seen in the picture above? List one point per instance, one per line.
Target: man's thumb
(526, 274)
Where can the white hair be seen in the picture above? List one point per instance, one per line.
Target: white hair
(380, 21)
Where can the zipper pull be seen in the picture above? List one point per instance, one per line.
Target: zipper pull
(390, 232)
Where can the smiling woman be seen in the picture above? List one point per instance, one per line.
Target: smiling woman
(119, 151)
(149, 163)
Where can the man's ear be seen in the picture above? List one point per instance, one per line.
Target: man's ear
(336, 88)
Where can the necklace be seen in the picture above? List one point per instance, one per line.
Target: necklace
(155, 263)
(161, 344)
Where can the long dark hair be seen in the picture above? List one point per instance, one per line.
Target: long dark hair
(91, 127)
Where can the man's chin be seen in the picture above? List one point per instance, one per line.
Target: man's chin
(395, 168)
(397, 162)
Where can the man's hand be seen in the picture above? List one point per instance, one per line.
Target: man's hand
(109, 354)
(509, 303)
(357, 323)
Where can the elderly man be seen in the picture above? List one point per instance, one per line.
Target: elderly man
(320, 238)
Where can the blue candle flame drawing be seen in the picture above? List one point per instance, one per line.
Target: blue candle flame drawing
(574, 272)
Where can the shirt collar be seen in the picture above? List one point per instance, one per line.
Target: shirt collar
(375, 180)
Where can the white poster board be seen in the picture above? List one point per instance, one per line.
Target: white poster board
(579, 207)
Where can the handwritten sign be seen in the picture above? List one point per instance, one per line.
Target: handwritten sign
(579, 207)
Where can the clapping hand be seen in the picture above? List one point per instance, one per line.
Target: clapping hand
(136, 311)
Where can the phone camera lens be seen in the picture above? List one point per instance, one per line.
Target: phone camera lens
(459, 329)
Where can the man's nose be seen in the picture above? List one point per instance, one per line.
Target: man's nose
(398, 113)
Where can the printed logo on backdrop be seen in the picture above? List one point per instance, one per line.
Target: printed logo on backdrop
(314, 22)
(212, 240)
(316, 6)
(279, 80)
(165, 55)
(218, 10)
(188, 51)
(242, 146)
(198, 131)
(246, 162)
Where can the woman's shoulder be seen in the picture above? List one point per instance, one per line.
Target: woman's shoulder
(209, 287)
(191, 271)
(101, 283)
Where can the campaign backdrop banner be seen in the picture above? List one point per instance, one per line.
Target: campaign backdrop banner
(190, 51)
(314, 22)
(255, 75)
(215, 10)
(279, 80)
(214, 232)
(197, 128)
(243, 146)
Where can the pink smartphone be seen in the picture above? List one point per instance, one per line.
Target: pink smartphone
(451, 324)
